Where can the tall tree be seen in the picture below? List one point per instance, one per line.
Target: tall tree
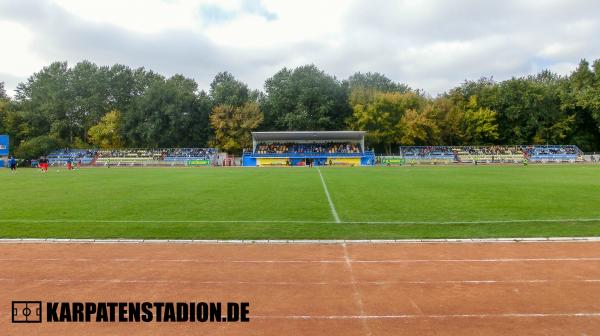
(419, 127)
(167, 115)
(581, 98)
(450, 118)
(107, 133)
(88, 87)
(480, 126)
(376, 82)
(233, 125)
(305, 98)
(381, 117)
(3, 95)
(226, 90)
(44, 99)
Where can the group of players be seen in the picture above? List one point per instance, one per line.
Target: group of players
(42, 164)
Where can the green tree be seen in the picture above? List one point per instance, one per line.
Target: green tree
(36, 147)
(226, 90)
(170, 113)
(3, 95)
(88, 87)
(375, 81)
(44, 102)
(233, 125)
(305, 98)
(13, 124)
(581, 97)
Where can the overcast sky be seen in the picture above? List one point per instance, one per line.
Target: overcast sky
(428, 44)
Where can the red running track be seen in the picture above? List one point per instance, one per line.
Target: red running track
(545, 288)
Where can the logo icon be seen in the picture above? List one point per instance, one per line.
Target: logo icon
(26, 311)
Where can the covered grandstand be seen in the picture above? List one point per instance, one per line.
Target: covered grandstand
(301, 148)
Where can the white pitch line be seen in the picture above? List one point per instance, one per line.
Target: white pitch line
(156, 221)
(507, 221)
(333, 211)
(354, 261)
(514, 240)
(317, 283)
(355, 293)
(331, 206)
(433, 316)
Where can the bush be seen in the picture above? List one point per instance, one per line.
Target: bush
(36, 147)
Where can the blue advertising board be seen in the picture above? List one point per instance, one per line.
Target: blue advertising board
(3, 145)
(3, 149)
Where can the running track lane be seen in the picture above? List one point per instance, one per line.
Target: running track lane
(544, 288)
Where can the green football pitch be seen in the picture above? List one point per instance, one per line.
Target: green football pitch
(302, 203)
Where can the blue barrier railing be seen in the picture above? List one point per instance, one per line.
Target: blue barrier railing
(185, 158)
(298, 155)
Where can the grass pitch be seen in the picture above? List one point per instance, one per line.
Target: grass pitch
(290, 203)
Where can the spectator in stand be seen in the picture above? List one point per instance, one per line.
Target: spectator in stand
(314, 148)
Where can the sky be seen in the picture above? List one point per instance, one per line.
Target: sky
(432, 45)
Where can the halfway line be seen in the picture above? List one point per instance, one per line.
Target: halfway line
(331, 206)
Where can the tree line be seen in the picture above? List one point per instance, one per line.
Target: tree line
(91, 106)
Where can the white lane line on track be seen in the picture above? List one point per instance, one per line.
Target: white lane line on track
(355, 292)
(334, 213)
(354, 261)
(432, 316)
(300, 283)
(331, 206)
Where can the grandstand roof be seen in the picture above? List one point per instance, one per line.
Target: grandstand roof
(308, 135)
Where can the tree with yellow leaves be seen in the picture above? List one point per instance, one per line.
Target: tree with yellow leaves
(107, 133)
(419, 127)
(232, 125)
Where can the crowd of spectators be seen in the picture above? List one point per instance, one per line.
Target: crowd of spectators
(130, 153)
(159, 153)
(307, 148)
(488, 150)
(426, 150)
(68, 153)
(189, 152)
(551, 150)
(491, 150)
(88, 156)
(462, 153)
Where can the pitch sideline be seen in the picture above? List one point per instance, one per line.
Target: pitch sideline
(507, 221)
(331, 206)
(292, 241)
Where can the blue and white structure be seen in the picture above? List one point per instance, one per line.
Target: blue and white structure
(300, 148)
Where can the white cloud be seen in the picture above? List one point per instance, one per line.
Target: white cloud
(142, 16)
(429, 44)
(17, 57)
